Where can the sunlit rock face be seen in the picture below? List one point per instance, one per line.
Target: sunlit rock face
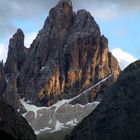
(68, 55)
(65, 114)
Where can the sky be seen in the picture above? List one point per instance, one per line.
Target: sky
(119, 21)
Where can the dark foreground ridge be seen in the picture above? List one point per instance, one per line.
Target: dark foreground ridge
(12, 125)
(117, 117)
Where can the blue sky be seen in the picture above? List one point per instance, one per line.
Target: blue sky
(119, 21)
(124, 33)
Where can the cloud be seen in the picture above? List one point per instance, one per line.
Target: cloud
(3, 52)
(29, 38)
(108, 9)
(21, 9)
(124, 58)
(33, 9)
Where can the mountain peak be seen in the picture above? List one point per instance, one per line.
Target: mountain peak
(19, 30)
(19, 35)
(65, 7)
(16, 53)
(68, 56)
(65, 1)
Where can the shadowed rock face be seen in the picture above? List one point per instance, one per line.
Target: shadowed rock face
(117, 117)
(12, 125)
(16, 57)
(2, 79)
(10, 93)
(68, 56)
(16, 54)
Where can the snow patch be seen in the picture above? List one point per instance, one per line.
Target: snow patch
(37, 132)
(28, 101)
(44, 67)
(23, 115)
(6, 79)
(60, 103)
(30, 107)
(72, 122)
(50, 121)
(40, 115)
(58, 126)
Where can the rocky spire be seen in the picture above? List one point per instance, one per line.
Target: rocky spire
(65, 1)
(68, 56)
(16, 54)
(8, 73)
(62, 13)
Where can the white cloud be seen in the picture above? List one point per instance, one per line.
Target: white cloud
(124, 58)
(105, 9)
(108, 10)
(29, 39)
(3, 52)
(105, 14)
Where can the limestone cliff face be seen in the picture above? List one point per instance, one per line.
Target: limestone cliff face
(16, 54)
(68, 55)
(10, 93)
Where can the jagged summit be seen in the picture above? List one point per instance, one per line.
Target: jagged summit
(61, 2)
(65, 5)
(19, 31)
(16, 53)
(17, 37)
(68, 56)
(62, 13)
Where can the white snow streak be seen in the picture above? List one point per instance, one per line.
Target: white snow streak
(90, 88)
(42, 130)
(58, 126)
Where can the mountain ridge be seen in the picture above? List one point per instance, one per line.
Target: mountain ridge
(68, 55)
(117, 115)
